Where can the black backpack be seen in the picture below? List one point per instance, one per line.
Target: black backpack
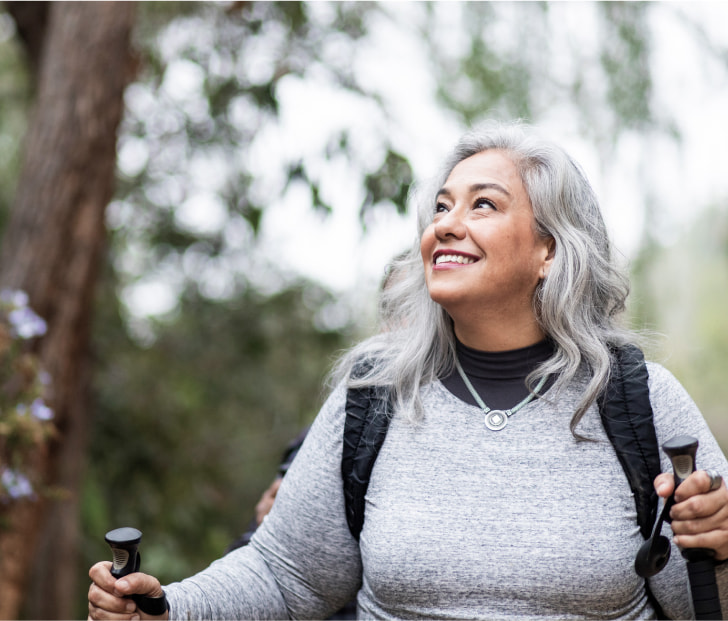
(625, 411)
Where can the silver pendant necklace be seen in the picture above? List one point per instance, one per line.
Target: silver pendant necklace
(495, 420)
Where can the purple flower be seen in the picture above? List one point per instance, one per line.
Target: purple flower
(40, 410)
(16, 484)
(26, 324)
(14, 297)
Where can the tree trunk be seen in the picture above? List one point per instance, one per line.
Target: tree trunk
(31, 20)
(52, 249)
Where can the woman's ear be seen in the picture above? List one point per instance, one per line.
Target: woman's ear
(549, 259)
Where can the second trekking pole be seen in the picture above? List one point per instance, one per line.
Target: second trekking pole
(700, 561)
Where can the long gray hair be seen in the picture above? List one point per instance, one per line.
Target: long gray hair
(577, 305)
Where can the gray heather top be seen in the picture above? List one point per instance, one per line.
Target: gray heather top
(461, 522)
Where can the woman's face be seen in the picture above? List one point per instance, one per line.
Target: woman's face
(481, 253)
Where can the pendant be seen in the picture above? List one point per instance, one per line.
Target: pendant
(495, 420)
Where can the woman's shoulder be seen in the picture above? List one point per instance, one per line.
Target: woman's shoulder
(662, 379)
(668, 396)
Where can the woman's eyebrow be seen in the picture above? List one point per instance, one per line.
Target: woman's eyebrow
(477, 187)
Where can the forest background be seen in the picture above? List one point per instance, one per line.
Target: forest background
(200, 200)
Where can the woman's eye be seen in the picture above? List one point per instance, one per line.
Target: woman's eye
(441, 208)
(484, 202)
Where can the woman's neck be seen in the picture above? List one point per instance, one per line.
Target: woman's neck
(498, 377)
(484, 335)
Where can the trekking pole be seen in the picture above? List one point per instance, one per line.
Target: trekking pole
(700, 561)
(124, 543)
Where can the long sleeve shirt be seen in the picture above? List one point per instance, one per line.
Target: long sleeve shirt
(461, 522)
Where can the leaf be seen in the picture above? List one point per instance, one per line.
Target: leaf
(390, 182)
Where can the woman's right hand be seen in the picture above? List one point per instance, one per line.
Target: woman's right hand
(106, 595)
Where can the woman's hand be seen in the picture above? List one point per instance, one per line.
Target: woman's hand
(265, 504)
(699, 516)
(106, 595)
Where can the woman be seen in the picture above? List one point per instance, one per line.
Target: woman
(511, 300)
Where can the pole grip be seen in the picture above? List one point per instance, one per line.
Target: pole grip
(706, 599)
(124, 543)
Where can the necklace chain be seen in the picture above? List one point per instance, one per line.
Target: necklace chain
(496, 419)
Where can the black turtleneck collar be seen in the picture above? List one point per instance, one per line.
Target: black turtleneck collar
(498, 377)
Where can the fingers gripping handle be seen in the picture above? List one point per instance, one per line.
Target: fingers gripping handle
(124, 543)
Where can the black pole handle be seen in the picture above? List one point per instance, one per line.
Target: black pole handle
(681, 450)
(700, 561)
(124, 543)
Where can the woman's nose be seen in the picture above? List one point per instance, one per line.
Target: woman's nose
(450, 224)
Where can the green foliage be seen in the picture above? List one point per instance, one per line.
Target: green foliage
(683, 291)
(15, 94)
(483, 80)
(208, 88)
(626, 62)
(189, 431)
(520, 60)
(391, 182)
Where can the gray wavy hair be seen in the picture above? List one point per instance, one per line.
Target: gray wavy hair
(577, 305)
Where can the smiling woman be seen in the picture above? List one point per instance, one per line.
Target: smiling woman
(545, 262)
(506, 309)
(482, 255)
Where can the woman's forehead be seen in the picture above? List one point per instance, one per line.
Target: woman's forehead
(493, 166)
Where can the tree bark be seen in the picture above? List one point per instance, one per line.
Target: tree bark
(31, 19)
(52, 248)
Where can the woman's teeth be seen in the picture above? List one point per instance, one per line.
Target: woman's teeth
(454, 258)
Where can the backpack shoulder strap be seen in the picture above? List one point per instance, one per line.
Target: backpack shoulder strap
(368, 413)
(626, 414)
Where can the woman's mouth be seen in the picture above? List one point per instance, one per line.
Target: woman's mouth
(460, 259)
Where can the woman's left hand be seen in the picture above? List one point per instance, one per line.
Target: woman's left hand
(699, 516)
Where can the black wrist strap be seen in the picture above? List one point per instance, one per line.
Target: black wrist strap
(154, 606)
